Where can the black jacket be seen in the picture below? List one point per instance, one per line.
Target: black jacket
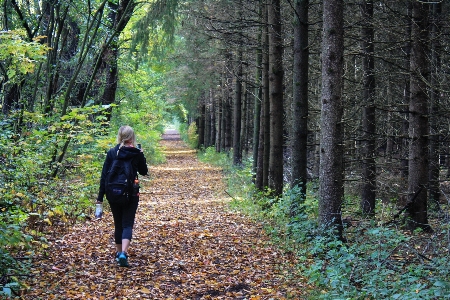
(139, 164)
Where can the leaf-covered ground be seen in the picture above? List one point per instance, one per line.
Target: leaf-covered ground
(187, 245)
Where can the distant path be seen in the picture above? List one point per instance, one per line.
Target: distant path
(171, 134)
(186, 245)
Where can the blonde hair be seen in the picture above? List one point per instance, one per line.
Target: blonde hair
(126, 134)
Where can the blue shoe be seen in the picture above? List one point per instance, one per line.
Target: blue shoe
(123, 259)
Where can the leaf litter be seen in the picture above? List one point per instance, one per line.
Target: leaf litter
(186, 245)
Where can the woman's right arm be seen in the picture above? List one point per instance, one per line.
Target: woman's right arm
(142, 165)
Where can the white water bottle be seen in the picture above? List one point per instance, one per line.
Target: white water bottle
(99, 210)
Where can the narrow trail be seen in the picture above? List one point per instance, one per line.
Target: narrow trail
(186, 245)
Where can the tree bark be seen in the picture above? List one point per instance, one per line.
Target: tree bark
(119, 16)
(227, 111)
(434, 104)
(264, 130)
(416, 213)
(201, 123)
(237, 114)
(213, 109)
(245, 121)
(299, 143)
(404, 164)
(219, 117)
(331, 141)
(368, 190)
(207, 99)
(257, 106)
(276, 98)
(265, 127)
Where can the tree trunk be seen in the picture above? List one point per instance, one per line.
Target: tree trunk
(404, 164)
(219, 144)
(119, 16)
(245, 122)
(264, 130)
(257, 105)
(207, 141)
(227, 124)
(265, 126)
(227, 111)
(213, 129)
(418, 120)
(276, 98)
(87, 43)
(331, 141)
(434, 105)
(299, 141)
(110, 56)
(237, 114)
(11, 100)
(201, 124)
(51, 57)
(368, 190)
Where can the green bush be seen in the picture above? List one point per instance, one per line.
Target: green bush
(189, 134)
(192, 135)
(375, 262)
(50, 176)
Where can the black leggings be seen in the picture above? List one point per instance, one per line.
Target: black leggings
(123, 216)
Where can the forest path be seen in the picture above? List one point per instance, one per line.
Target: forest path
(186, 245)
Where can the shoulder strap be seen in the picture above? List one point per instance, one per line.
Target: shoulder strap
(113, 152)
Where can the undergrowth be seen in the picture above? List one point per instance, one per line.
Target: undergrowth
(189, 134)
(376, 261)
(43, 196)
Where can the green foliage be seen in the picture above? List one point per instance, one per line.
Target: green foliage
(240, 184)
(182, 129)
(154, 29)
(50, 165)
(375, 262)
(220, 159)
(192, 135)
(365, 270)
(40, 190)
(142, 107)
(19, 56)
(239, 180)
(189, 134)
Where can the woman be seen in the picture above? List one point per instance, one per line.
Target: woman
(123, 215)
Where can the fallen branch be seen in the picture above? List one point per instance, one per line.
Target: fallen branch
(405, 207)
(230, 195)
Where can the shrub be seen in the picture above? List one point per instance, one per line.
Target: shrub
(192, 135)
(375, 262)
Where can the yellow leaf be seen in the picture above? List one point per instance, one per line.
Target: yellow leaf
(145, 290)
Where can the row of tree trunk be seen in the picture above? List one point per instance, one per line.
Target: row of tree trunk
(349, 135)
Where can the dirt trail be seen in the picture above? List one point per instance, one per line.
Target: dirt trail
(186, 245)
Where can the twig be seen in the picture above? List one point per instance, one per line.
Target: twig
(230, 195)
(419, 254)
(405, 207)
